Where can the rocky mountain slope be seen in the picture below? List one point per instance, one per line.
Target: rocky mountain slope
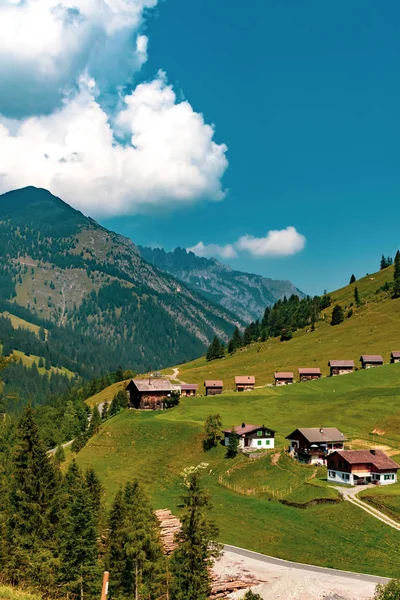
(71, 273)
(244, 294)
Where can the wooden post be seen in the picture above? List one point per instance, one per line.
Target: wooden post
(104, 589)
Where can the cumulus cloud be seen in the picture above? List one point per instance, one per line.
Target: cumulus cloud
(213, 250)
(284, 242)
(46, 44)
(155, 150)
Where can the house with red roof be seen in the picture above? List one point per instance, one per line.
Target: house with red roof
(358, 467)
(314, 444)
(244, 383)
(150, 393)
(254, 437)
(395, 357)
(341, 367)
(213, 387)
(189, 389)
(283, 377)
(310, 373)
(371, 360)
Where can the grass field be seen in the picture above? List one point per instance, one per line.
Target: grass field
(384, 498)
(156, 447)
(107, 394)
(374, 328)
(32, 358)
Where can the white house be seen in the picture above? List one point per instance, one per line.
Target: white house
(256, 437)
(356, 467)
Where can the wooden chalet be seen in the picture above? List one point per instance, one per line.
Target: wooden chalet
(395, 357)
(189, 389)
(254, 437)
(358, 467)
(245, 383)
(309, 374)
(371, 360)
(283, 377)
(149, 393)
(213, 387)
(313, 444)
(340, 367)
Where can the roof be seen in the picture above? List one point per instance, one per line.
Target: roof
(245, 379)
(375, 457)
(243, 429)
(153, 385)
(310, 371)
(320, 434)
(395, 355)
(189, 386)
(341, 363)
(371, 358)
(283, 375)
(213, 383)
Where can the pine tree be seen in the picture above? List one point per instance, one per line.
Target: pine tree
(352, 279)
(135, 559)
(95, 490)
(212, 431)
(41, 363)
(59, 455)
(104, 411)
(357, 296)
(383, 264)
(215, 350)
(396, 276)
(33, 502)
(95, 422)
(233, 444)
(337, 315)
(79, 572)
(192, 560)
(237, 339)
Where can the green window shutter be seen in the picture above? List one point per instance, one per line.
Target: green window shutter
(259, 442)
(267, 442)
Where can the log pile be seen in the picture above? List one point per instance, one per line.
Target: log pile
(221, 586)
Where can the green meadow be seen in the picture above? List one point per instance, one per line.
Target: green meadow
(155, 447)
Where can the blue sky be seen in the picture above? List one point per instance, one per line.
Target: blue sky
(305, 95)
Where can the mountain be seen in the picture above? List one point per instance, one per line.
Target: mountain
(103, 305)
(244, 294)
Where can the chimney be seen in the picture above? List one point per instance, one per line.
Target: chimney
(373, 451)
(243, 425)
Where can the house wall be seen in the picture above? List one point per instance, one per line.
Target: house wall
(386, 478)
(244, 388)
(213, 391)
(188, 393)
(395, 360)
(260, 443)
(340, 477)
(309, 377)
(371, 365)
(283, 381)
(340, 371)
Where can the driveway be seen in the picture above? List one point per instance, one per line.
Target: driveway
(350, 494)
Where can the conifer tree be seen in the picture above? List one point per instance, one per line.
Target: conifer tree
(356, 296)
(396, 276)
(59, 455)
(33, 502)
(192, 560)
(95, 422)
(212, 431)
(135, 559)
(383, 264)
(352, 279)
(233, 444)
(79, 572)
(95, 490)
(104, 411)
(337, 315)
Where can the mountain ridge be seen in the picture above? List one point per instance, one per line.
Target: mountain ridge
(245, 294)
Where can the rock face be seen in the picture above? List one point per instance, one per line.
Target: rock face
(244, 294)
(68, 270)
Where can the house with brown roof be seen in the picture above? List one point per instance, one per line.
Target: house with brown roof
(341, 367)
(395, 357)
(254, 437)
(313, 444)
(149, 393)
(309, 374)
(213, 387)
(371, 360)
(357, 467)
(189, 389)
(283, 377)
(245, 383)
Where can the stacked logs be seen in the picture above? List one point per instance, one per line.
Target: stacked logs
(221, 587)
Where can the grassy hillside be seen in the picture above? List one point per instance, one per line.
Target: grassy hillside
(19, 323)
(374, 328)
(156, 447)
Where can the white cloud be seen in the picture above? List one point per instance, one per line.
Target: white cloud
(213, 250)
(164, 152)
(46, 44)
(284, 242)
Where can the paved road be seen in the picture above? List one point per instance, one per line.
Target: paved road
(303, 567)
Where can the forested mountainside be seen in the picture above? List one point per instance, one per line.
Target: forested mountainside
(102, 305)
(244, 294)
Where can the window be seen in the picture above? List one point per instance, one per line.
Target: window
(259, 442)
(346, 476)
(259, 432)
(389, 476)
(267, 442)
(332, 474)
